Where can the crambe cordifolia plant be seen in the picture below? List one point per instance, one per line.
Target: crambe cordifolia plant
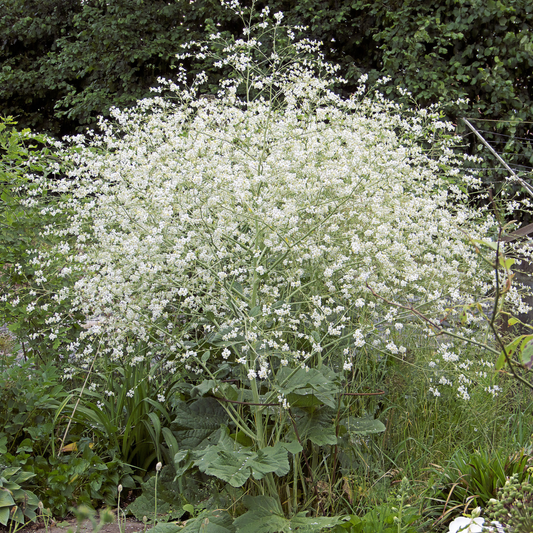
(257, 242)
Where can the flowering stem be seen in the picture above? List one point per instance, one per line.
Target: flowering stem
(440, 329)
(77, 402)
(157, 470)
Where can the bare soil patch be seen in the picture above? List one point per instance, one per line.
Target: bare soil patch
(130, 526)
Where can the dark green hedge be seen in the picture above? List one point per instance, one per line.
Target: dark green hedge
(62, 63)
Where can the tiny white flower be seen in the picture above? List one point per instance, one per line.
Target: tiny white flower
(263, 372)
(392, 347)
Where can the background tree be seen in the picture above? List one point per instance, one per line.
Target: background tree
(453, 50)
(63, 63)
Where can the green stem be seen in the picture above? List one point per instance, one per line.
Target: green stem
(155, 498)
(295, 462)
(258, 415)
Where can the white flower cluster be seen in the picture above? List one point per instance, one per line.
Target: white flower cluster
(265, 220)
(452, 371)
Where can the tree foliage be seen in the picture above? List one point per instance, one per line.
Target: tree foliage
(65, 62)
(453, 50)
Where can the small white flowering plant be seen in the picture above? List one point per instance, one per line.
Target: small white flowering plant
(475, 523)
(259, 242)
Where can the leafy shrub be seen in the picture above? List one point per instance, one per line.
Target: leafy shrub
(81, 477)
(21, 154)
(29, 309)
(70, 62)
(33, 420)
(16, 502)
(30, 412)
(264, 244)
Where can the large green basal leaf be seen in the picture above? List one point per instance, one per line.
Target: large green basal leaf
(10, 471)
(317, 426)
(306, 398)
(5, 498)
(203, 388)
(24, 476)
(209, 522)
(308, 387)
(27, 497)
(233, 468)
(265, 515)
(231, 392)
(271, 459)
(4, 515)
(166, 528)
(196, 422)
(362, 426)
(235, 464)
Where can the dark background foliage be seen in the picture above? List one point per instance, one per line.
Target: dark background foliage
(64, 62)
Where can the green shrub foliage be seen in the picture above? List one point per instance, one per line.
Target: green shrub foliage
(65, 62)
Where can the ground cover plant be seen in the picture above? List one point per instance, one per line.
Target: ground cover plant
(286, 296)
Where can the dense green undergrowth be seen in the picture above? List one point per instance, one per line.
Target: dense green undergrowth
(435, 458)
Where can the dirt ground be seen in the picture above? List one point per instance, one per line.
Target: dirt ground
(131, 526)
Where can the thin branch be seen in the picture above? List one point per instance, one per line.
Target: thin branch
(438, 327)
(495, 312)
(522, 182)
